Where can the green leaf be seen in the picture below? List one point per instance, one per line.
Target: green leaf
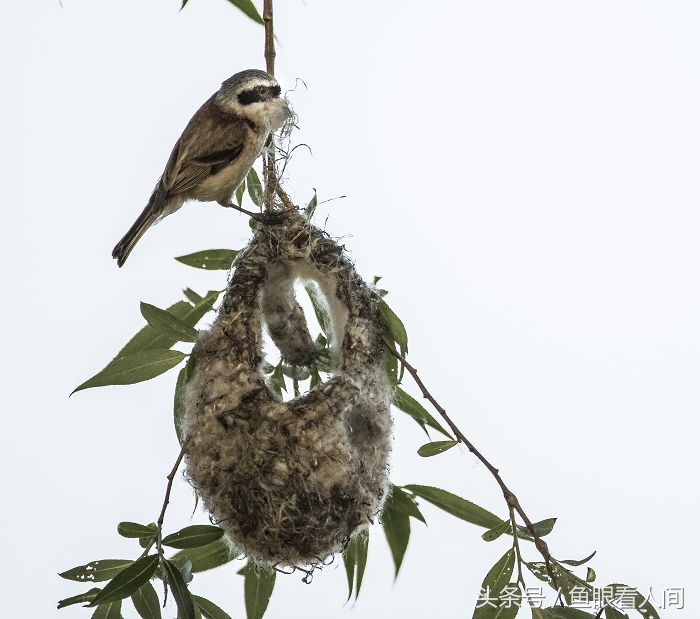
(184, 2)
(412, 407)
(350, 562)
(184, 565)
(148, 337)
(311, 206)
(320, 307)
(258, 587)
(210, 259)
(134, 529)
(577, 562)
(643, 606)
(496, 532)
(495, 581)
(397, 528)
(355, 560)
(96, 571)
(192, 296)
(248, 8)
(315, 378)
(183, 598)
(362, 548)
(590, 575)
(501, 572)
(240, 191)
(455, 505)
(510, 601)
(128, 581)
(179, 406)
(207, 557)
(296, 372)
(544, 527)
(146, 603)
(209, 609)
(135, 368)
(179, 402)
(145, 542)
(433, 449)
(400, 501)
(277, 382)
(167, 323)
(393, 327)
(567, 583)
(255, 190)
(109, 610)
(194, 536)
(391, 366)
(539, 569)
(88, 596)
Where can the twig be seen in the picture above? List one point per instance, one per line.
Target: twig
(284, 197)
(516, 548)
(511, 499)
(269, 172)
(269, 37)
(166, 499)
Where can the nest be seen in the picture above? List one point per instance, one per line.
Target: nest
(289, 481)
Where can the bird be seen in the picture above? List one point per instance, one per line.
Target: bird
(215, 151)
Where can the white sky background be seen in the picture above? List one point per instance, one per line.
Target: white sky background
(523, 174)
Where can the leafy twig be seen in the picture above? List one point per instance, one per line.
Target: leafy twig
(511, 499)
(516, 548)
(166, 499)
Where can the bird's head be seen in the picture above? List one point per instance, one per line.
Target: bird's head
(256, 95)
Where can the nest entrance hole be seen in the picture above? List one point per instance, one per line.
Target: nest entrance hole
(301, 334)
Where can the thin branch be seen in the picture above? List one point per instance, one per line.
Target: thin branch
(166, 499)
(269, 172)
(284, 197)
(516, 548)
(511, 499)
(269, 37)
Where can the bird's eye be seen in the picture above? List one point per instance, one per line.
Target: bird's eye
(261, 89)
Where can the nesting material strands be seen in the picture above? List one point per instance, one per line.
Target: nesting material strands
(289, 482)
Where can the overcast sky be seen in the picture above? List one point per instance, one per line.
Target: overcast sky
(524, 175)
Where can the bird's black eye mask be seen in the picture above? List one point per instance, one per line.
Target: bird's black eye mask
(259, 93)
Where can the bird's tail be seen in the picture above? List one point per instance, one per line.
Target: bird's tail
(149, 215)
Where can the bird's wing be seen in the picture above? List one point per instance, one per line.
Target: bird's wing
(212, 140)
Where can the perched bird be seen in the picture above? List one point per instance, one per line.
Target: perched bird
(215, 151)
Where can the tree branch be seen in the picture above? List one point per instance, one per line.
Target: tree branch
(166, 499)
(269, 37)
(511, 499)
(269, 171)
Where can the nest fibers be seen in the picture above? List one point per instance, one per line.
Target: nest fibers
(289, 482)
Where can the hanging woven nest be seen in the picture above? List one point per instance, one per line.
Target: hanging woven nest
(289, 481)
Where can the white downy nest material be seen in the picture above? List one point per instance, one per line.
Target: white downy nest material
(289, 482)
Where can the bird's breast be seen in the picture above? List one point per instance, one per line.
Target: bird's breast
(220, 186)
